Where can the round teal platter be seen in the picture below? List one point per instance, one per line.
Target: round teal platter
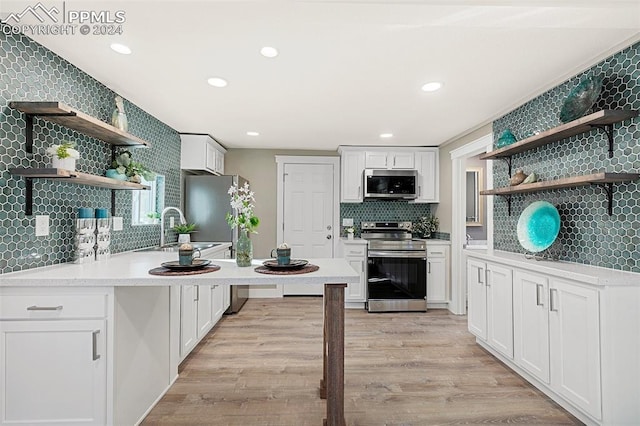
(581, 98)
(538, 226)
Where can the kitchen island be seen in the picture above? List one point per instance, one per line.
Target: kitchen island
(127, 319)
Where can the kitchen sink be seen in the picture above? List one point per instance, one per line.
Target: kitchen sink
(176, 246)
(476, 245)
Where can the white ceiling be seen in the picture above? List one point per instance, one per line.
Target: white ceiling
(347, 70)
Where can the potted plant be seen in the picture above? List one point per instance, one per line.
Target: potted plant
(184, 231)
(242, 202)
(153, 217)
(426, 226)
(125, 168)
(63, 156)
(350, 231)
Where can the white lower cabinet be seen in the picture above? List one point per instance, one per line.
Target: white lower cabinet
(355, 253)
(437, 274)
(490, 317)
(218, 305)
(58, 367)
(574, 331)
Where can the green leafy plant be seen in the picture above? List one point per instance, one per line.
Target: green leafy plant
(64, 150)
(185, 228)
(426, 225)
(125, 165)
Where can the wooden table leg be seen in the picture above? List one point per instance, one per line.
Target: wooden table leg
(334, 379)
(323, 381)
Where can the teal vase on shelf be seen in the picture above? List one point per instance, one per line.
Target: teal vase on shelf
(244, 250)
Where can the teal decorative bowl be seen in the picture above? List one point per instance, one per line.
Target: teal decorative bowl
(581, 99)
(538, 226)
(113, 174)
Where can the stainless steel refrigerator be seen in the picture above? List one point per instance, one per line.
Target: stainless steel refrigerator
(206, 203)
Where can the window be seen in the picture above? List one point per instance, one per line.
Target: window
(147, 205)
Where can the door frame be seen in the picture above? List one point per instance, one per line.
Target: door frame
(458, 220)
(281, 160)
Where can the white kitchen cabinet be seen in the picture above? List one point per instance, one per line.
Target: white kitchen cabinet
(490, 316)
(355, 253)
(531, 323)
(427, 165)
(218, 305)
(53, 356)
(574, 331)
(188, 319)
(437, 273)
(351, 168)
(389, 160)
(204, 299)
(201, 153)
(477, 298)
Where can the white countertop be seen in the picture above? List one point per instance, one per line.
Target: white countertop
(573, 271)
(131, 269)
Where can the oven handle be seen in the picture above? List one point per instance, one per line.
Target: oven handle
(398, 253)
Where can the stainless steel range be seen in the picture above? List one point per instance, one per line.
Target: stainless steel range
(397, 268)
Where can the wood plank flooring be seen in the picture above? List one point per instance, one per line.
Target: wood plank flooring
(263, 366)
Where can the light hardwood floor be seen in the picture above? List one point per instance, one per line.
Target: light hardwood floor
(263, 365)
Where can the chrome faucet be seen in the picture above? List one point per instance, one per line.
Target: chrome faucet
(468, 239)
(162, 230)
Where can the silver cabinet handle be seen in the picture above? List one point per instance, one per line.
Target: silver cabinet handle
(552, 306)
(428, 267)
(480, 276)
(44, 308)
(359, 190)
(538, 290)
(437, 252)
(486, 272)
(197, 294)
(94, 338)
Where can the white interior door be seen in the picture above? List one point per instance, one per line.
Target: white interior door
(308, 216)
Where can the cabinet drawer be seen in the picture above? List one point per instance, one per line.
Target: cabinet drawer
(436, 251)
(51, 306)
(353, 250)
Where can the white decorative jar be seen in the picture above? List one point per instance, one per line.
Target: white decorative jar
(68, 163)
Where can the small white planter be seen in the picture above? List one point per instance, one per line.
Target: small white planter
(184, 238)
(68, 163)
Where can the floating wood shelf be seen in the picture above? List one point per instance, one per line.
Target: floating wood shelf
(70, 177)
(64, 115)
(605, 180)
(602, 119)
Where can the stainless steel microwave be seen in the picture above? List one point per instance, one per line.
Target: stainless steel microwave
(390, 184)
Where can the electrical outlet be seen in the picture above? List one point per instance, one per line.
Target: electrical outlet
(117, 223)
(347, 221)
(172, 222)
(42, 225)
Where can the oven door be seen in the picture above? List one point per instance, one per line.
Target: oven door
(397, 281)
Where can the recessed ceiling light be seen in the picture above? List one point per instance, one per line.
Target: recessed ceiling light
(121, 48)
(253, 134)
(269, 52)
(386, 135)
(432, 87)
(217, 82)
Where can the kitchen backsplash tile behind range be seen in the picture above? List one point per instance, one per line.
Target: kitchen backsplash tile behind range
(383, 210)
(588, 234)
(31, 72)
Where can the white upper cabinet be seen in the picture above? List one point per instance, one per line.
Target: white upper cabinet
(353, 161)
(201, 153)
(389, 160)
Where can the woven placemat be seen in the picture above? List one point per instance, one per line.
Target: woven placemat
(304, 270)
(173, 273)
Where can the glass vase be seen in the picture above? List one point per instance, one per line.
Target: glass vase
(244, 250)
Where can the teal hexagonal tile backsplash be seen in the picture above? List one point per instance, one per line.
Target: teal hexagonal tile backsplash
(30, 72)
(588, 234)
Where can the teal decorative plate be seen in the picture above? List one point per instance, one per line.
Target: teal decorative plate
(581, 99)
(538, 226)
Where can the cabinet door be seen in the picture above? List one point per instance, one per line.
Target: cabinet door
(53, 372)
(436, 279)
(188, 319)
(531, 323)
(351, 166)
(500, 309)
(401, 160)
(426, 162)
(218, 302)
(574, 327)
(219, 162)
(357, 292)
(477, 298)
(210, 158)
(204, 307)
(376, 160)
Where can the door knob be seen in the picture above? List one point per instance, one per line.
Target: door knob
(329, 237)
(329, 228)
